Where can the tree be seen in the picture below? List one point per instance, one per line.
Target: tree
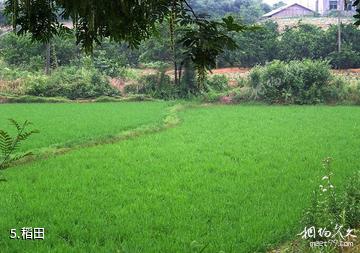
(278, 5)
(257, 47)
(2, 17)
(303, 41)
(127, 20)
(357, 16)
(249, 10)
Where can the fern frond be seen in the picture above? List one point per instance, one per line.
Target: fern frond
(8, 144)
(13, 122)
(20, 156)
(26, 135)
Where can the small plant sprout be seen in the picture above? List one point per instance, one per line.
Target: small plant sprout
(9, 145)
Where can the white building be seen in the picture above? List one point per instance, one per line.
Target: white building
(326, 6)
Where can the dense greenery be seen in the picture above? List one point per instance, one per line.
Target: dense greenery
(190, 49)
(227, 177)
(72, 83)
(256, 47)
(127, 21)
(2, 16)
(248, 10)
(303, 41)
(296, 82)
(78, 81)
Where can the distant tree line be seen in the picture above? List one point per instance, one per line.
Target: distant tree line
(256, 47)
(249, 10)
(303, 41)
(2, 16)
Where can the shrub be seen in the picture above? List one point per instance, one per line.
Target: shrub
(107, 66)
(72, 83)
(336, 90)
(128, 74)
(8, 73)
(235, 95)
(211, 96)
(157, 86)
(132, 89)
(345, 59)
(15, 87)
(353, 93)
(155, 65)
(242, 94)
(217, 82)
(19, 50)
(2, 17)
(242, 82)
(298, 82)
(301, 42)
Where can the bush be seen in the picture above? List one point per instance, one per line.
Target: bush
(353, 93)
(235, 95)
(211, 96)
(345, 59)
(10, 74)
(155, 65)
(157, 86)
(132, 89)
(20, 51)
(336, 90)
(107, 66)
(72, 83)
(217, 83)
(297, 82)
(128, 74)
(2, 17)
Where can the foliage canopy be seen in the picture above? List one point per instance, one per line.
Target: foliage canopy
(125, 20)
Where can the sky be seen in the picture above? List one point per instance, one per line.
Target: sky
(307, 3)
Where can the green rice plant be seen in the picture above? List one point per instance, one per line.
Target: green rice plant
(352, 205)
(242, 190)
(9, 145)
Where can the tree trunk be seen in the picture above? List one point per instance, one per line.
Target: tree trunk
(47, 58)
(339, 31)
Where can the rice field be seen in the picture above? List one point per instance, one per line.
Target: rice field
(63, 125)
(226, 179)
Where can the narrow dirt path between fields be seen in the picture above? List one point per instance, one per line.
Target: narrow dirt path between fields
(170, 120)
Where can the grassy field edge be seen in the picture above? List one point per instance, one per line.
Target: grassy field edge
(170, 120)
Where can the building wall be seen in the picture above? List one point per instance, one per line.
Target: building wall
(324, 7)
(293, 11)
